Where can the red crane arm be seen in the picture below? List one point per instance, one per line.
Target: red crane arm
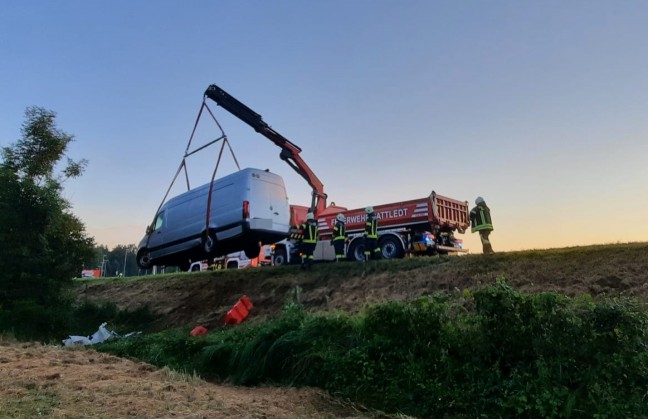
(289, 151)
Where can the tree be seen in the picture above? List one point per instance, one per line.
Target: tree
(116, 260)
(44, 244)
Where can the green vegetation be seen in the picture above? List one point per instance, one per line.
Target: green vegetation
(492, 352)
(43, 244)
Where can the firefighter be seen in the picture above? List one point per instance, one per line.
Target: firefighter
(371, 248)
(311, 235)
(480, 221)
(339, 237)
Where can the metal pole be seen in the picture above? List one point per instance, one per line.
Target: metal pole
(103, 265)
(125, 254)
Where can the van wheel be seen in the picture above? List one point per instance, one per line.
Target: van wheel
(391, 247)
(252, 250)
(279, 258)
(144, 260)
(209, 244)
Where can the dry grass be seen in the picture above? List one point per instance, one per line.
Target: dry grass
(62, 382)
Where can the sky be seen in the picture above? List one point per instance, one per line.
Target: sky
(539, 107)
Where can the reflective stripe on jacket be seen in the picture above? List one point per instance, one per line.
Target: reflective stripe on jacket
(339, 231)
(371, 226)
(311, 233)
(480, 218)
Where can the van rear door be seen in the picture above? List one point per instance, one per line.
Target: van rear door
(268, 203)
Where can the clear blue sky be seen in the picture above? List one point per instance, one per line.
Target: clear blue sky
(539, 107)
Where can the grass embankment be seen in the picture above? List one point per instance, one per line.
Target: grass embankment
(494, 351)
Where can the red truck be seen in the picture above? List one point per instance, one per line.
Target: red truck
(419, 226)
(424, 226)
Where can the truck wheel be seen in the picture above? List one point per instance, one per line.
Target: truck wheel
(391, 247)
(232, 265)
(356, 251)
(144, 259)
(184, 266)
(209, 244)
(279, 258)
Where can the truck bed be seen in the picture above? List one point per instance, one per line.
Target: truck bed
(433, 210)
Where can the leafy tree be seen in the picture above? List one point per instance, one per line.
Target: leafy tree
(120, 258)
(44, 244)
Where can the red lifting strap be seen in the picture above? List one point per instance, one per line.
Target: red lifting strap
(183, 162)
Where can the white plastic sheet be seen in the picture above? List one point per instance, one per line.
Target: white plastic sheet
(101, 335)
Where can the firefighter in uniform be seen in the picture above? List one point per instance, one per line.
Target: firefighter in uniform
(311, 235)
(371, 235)
(480, 221)
(339, 237)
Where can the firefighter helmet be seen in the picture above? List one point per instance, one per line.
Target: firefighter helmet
(479, 200)
(310, 216)
(341, 217)
(369, 210)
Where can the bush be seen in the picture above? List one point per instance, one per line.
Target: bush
(494, 353)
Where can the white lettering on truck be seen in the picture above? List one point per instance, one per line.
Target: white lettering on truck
(396, 213)
(361, 218)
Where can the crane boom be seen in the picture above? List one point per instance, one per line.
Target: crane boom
(289, 150)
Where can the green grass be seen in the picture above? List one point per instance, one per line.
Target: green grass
(493, 351)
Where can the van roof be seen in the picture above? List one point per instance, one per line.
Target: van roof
(232, 177)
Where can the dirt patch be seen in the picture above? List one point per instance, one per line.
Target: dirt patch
(62, 382)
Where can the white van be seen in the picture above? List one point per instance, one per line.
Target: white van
(247, 208)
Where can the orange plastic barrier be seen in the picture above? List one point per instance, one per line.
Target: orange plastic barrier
(239, 312)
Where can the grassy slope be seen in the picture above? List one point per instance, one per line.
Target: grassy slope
(205, 297)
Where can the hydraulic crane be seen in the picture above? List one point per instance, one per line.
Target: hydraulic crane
(289, 150)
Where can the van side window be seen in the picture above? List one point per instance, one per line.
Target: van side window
(159, 220)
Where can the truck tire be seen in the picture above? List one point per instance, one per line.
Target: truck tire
(356, 251)
(144, 259)
(279, 258)
(391, 247)
(232, 265)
